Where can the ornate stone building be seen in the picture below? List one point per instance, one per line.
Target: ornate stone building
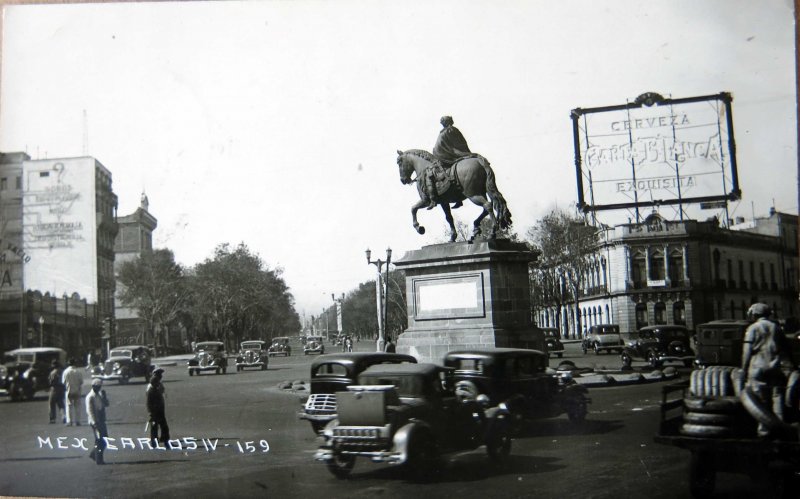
(684, 272)
(135, 237)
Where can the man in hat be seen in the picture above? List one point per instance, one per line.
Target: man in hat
(57, 392)
(96, 403)
(156, 408)
(762, 355)
(73, 381)
(450, 147)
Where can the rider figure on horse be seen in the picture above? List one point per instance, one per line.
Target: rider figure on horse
(450, 147)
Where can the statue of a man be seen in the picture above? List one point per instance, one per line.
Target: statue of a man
(450, 147)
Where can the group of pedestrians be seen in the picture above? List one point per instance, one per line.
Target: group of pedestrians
(65, 396)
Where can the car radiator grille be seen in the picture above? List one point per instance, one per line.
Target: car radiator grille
(321, 403)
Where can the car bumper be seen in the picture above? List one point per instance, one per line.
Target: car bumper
(249, 364)
(379, 456)
(319, 418)
(204, 368)
(676, 358)
(108, 377)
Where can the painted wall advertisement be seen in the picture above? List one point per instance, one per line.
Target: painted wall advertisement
(58, 211)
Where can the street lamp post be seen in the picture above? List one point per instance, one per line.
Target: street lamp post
(379, 294)
(41, 331)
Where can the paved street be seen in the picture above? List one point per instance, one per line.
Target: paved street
(239, 436)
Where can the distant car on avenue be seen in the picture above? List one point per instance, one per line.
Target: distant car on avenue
(409, 414)
(124, 363)
(603, 338)
(552, 341)
(253, 353)
(313, 345)
(333, 373)
(280, 346)
(208, 356)
(659, 344)
(720, 342)
(25, 370)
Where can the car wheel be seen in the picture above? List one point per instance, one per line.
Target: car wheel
(626, 359)
(224, 370)
(123, 380)
(191, 372)
(421, 460)
(264, 366)
(29, 392)
(577, 410)
(702, 475)
(341, 466)
(583, 347)
(498, 444)
(652, 359)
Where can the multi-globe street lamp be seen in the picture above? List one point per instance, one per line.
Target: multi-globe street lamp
(381, 304)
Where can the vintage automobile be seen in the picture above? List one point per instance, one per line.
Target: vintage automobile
(334, 373)
(603, 337)
(552, 342)
(313, 344)
(409, 414)
(253, 353)
(280, 346)
(720, 342)
(208, 356)
(25, 371)
(124, 363)
(519, 379)
(659, 344)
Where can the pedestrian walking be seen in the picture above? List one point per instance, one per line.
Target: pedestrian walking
(96, 403)
(156, 408)
(57, 393)
(73, 383)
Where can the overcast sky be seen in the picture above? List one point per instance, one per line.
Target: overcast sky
(276, 123)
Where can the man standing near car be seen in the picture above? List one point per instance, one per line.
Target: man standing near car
(156, 408)
(57, 393)
(96, 403)
(73, 381)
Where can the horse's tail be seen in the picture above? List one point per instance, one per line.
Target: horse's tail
(502, 213)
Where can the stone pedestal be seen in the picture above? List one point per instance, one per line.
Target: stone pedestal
(462, 295)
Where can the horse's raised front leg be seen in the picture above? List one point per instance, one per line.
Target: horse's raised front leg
(448, 215)
(419, 228)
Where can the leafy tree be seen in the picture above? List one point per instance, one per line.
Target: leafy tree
(154, 284)
(565, 242)
(237, 297)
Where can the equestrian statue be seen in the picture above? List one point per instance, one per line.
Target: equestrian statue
(451, 174)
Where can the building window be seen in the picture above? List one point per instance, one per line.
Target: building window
(731, 280)
(676, 269)
(3, 184)
(753, 282)
(638, 271)
(641, 315)
(657, 266)
(660, 313)
(763, 275)
(18, 183)
(772, 282)
(679, 313)
(741, 275)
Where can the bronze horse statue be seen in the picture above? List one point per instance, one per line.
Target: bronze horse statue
(473, 180)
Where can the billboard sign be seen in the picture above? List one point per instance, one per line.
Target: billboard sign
(655, 151)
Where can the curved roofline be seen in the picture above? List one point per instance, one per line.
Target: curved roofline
(355, 357)
(35, 350)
